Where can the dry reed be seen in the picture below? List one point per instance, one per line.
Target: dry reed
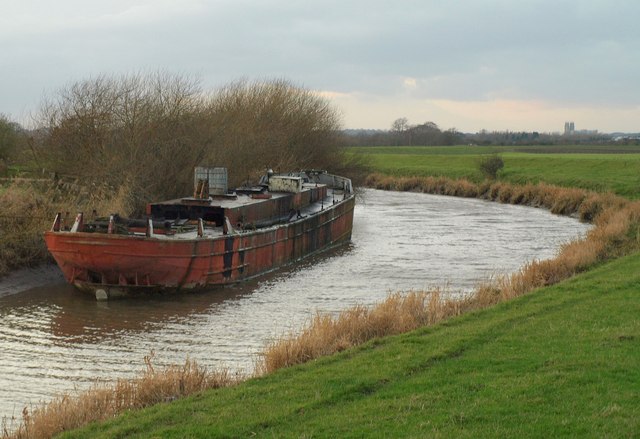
(325, 334)
(587, 205)
(616, 232)
(29, 207)
(105, 400)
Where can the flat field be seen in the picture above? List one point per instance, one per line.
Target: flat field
(594, 167)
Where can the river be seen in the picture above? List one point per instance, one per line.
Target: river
(55, 339)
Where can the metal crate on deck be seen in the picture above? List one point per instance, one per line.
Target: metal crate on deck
(216, 178)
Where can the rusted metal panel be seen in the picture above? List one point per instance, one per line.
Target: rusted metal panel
(121, 264)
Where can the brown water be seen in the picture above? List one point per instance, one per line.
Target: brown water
(54, 339)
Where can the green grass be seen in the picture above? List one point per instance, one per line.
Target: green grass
(617, 171)
(564, 361)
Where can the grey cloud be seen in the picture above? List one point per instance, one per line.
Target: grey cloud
(467, 50)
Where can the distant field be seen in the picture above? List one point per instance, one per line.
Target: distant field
(588, 167)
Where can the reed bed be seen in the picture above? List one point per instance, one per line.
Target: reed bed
(584, 204)
(29, 207)
(616, 232)
(105, 400)
(326, 334)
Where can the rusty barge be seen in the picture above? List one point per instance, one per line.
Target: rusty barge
(214, 238)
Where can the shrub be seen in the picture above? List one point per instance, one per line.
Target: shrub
(29, 207)
(490, 165)
(147, 132)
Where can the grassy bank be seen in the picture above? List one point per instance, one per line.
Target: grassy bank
(315, 394)
(563, 361)
(616, 233)
(583, 167)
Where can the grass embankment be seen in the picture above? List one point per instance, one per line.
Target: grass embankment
(563, 361)
(106, 400)
(613, 169)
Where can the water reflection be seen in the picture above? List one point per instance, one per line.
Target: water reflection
(80, 319)
(54, 337)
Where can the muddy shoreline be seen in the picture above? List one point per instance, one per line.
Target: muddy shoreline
(24, 279)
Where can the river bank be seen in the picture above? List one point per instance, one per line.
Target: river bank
(412, 249)
(615, 235)
(27, 278)
(539, 274)
(561, 362)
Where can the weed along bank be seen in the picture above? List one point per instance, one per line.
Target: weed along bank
(216, 237)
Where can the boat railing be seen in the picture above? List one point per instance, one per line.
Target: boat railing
(151, 227)
(333, 181)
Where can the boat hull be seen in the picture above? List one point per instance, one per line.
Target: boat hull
(112, 265)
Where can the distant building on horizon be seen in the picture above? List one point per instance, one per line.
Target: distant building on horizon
(569, 128)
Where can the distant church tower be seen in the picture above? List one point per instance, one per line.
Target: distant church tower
(569, 127)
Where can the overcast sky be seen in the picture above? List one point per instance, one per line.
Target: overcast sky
(469, 64)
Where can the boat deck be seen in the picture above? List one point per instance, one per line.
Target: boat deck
(240, 199)
(189, 231)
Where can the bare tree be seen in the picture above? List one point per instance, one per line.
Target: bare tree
(400, 125)
(273, 124)
(141, 136)
(8, 137)
(139, 130)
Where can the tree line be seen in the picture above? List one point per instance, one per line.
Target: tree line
(140, 136)
(404, 134)
(401, 133)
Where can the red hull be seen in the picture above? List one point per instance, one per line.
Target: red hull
(112, 264)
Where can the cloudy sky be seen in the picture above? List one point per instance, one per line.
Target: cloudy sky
(469, 64)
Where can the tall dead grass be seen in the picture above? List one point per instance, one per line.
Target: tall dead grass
(586, 205)
(325, 334)
(29, 207)
(616, 232)
(104, 401)
(431, 185)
